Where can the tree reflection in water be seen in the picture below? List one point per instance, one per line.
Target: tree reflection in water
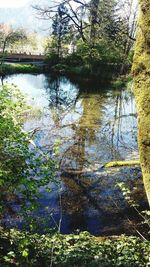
(90, 120)
(98, 134)
(95, 125)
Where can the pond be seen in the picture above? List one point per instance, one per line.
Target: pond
(92, 125)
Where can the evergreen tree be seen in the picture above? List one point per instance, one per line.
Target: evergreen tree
(60, 25)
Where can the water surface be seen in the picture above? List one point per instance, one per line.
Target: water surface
(93, 125)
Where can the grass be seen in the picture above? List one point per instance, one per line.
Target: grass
(6, 69)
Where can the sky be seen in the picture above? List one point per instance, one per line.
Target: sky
(13, 3)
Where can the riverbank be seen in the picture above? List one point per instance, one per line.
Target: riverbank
(8, 69)
(81, 74)
(102, 71)
(26, 249)
(105, 73)
(115, 74)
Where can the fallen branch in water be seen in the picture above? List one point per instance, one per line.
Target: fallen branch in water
(121, 163)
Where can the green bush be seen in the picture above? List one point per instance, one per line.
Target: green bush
(74, 60)
(20, 68)
(61, 68)
(24, 168)
(25, 249)
(51, 58)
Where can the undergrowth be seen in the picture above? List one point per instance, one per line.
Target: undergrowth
(25, 249)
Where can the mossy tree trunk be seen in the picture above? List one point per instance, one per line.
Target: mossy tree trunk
(141, 75)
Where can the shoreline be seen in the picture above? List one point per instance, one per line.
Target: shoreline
(73, 74)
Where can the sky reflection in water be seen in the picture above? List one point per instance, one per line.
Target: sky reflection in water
(95, 126)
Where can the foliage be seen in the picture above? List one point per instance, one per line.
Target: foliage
(51, 51)
(60, 26)
(74, 59)
(24, 167)
(19, 68)
(60, 68)
(103, 51)
(74, 14)
(8, 37)
(60, 21)
(32, 44)
(144, 216)
(24, 249)
(103, 57)
(96, 33)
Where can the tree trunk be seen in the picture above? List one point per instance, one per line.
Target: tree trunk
(141, 75)
(3, 52)
(59, 47)
(94, 19)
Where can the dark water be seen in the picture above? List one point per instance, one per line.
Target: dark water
(92, 125)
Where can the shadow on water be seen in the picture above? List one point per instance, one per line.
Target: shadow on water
(93, 124)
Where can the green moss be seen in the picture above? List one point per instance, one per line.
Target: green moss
(141, 75)
(121, 163)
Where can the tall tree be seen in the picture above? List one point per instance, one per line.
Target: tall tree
(94, 5)
(141, 74)
(74, 10)
(9, 36)
(60, 25)
(107, 18)
(128, 12)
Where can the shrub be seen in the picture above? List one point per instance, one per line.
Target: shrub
(20, 68)
(24, 168)
(25, 249)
